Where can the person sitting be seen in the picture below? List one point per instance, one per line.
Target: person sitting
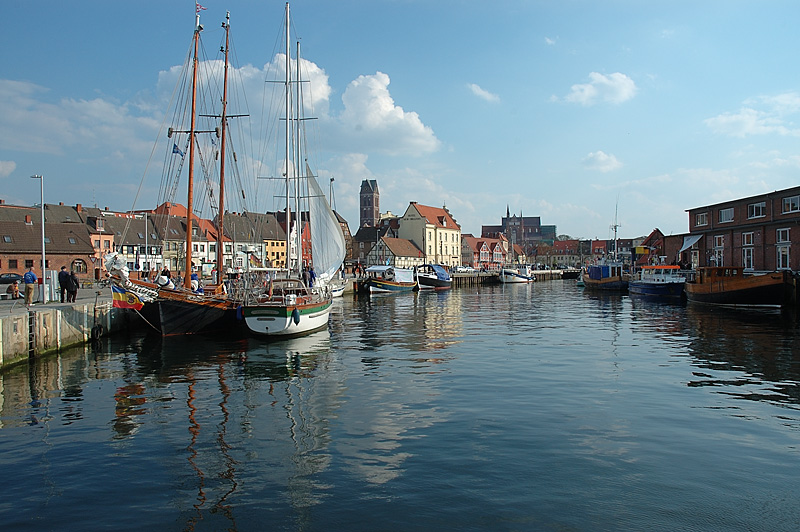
(13, 290)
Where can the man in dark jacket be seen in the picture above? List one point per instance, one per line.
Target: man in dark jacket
(63, 281)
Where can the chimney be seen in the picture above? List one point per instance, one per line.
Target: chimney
(28, 219)
(79, 207)
(61, 203)
(2, 202)
(106, 208)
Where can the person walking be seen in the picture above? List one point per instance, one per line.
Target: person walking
(30, 280)
(63, 281)
(72, 287)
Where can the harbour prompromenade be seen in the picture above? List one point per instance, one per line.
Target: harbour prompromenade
(45, 328)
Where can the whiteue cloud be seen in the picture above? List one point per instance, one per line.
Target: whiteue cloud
(6, 168)
(615, 88)
(550, 42)
(482, 93)
(599, 160)
(746, 122)
(372, 121)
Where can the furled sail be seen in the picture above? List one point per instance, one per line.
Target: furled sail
(327, 241)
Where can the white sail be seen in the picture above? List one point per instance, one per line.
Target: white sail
(327, 241)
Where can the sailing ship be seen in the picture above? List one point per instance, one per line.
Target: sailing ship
(291, 306)
(187, 309)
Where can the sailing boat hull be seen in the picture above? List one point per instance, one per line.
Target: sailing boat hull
(286, 321)
(185, 317)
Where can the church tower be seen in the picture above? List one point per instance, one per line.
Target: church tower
(370, 204)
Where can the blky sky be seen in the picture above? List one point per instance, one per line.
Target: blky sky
(566, 110)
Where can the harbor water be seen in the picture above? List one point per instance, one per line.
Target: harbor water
(517, 407)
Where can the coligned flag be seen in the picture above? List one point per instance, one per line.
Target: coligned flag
(176, 149)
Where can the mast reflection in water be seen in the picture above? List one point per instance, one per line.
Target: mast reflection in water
(515, 407)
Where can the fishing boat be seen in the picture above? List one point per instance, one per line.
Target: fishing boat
(432, 277)
(189, 308)
(523, 274)
(388, 279)
(658, 281)
(609, 277)
(732, 286)
(288, 306)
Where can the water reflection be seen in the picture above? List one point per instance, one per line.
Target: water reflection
(748, 354)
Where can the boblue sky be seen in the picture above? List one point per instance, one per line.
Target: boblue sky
(558, 109)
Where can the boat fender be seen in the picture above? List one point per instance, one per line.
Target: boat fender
(296, 316)
(97, 332)
(239, 313)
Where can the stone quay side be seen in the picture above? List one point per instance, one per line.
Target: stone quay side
(42, 329)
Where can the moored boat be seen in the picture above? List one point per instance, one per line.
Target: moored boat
(288, 306)
(189, 308)
(522, 274)
(609, 277)
(388, 279)
(732, 286)
(658, 281)
(432, 277)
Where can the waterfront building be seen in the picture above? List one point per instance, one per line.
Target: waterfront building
(269, 240)
(483, 253)
(567, 253)
(756, 232)
(434, 231)
(66, 244)
(397, 252)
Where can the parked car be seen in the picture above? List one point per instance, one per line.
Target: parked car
(8, 278)
(464, 269)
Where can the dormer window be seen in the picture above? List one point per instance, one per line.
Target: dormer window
(100, 224)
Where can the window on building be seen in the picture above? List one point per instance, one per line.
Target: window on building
(79, 266)
(747, 258)
(72, 241)
(783, 257)
(100, 224)
(28, 264)
(747, 239)
(783, 235)
(96, 244)
(212, 248)
(194, 248)
(757, 210)
(12, 264)
(726, 215)
(106, 244)
(140, 235)
(228, 248)
(701, 218)
(791, 204)
(202, 248)
(7, 239)
(717, 253)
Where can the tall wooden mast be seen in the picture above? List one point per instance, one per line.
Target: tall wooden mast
(187, 279)
(220, 225)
